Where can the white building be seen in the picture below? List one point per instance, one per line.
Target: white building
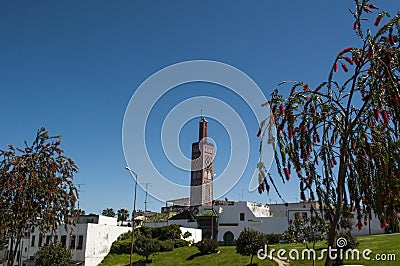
(90, 240)
(230, 218)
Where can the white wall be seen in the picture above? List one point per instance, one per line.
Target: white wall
(196, 234)
(99, 240)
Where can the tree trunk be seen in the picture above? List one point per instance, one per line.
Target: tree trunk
(251, 259)
(332, 234)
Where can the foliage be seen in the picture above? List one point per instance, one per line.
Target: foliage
(126, 235)
(122, 214)
(53, 255)
(170, 232)
(249, 242)
(342, 139)
(145, 246)
(187, 234)
(207, 245)
(178, 243)
(166, 245)
(36, 188)
(271, 238)
(108, 212)
(121, 246)
(310, 229)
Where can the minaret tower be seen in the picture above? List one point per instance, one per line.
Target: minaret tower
(202, 169)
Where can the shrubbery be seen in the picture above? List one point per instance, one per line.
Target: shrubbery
(180, 243)
(166, 238)
(207, 245)
(146, 246)
(53, 255)
(166, 245)
(121, 246)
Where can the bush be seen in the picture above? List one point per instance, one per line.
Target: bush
(249, 242)
(145, 246)
(178, 243)
(170, 232)
(125, 236)
(53, 255)
(207, 245)
(121, 246)
(166, 245)
(272, 238)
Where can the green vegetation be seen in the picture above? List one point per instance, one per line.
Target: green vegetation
(380, 244)
(249, 243)
(207, 246)
(187, 256)
(53, 255)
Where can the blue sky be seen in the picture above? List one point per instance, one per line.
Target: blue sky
(73, 66)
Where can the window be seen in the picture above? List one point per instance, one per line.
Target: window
(48, 240)
(242, 216)
(33, 240)
(80, 243)
(40, 240)
(63, 240)
(72, 242)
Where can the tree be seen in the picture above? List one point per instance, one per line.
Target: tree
(145, 246)
(342, 139)
(123, 215)
(53, 255)
(310, 230)
(249, 243)
(207, 245)
(36, 188)
(108, 212)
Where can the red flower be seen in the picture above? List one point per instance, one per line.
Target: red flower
(355, 25)
(267, 187)
(378, 20)
(282, 109)
(396, 98)
(274, 108)
(302, 196)
(345, 67)
(259, 132)
(280, 128)
(366, 9)
(347, 49)
(376, 113)
(305, 87)
(385, 116)
(391, 39)
(349, 60)
(291, 132)
(373, 6)
(287, 173)
(335, 68)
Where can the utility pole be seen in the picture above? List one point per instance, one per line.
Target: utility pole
(145, 200)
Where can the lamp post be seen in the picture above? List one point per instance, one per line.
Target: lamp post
(133, 213)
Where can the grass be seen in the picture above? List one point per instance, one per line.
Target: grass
(379, 244)
(188, 256)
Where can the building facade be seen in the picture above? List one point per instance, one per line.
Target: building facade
(90, 240)
(202, 168)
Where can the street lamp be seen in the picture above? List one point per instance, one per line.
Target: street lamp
(133, 213)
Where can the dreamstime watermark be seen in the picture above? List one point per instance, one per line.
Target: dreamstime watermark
(339, 253)
(147, 97)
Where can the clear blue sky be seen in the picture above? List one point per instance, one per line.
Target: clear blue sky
(72, 67)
